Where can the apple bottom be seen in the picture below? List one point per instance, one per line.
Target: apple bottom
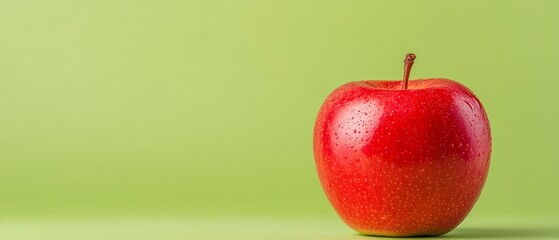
(382, 198)
(412, 233)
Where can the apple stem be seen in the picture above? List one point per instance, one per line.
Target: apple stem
(408, 62)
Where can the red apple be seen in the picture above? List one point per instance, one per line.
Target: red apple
(399, 160)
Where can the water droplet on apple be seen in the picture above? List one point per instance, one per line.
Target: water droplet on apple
(470, 105)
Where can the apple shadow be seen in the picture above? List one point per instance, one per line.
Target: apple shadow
(502, 233)
(489, 233)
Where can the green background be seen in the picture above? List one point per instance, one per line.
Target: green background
(205, 109)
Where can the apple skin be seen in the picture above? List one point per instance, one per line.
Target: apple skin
(402, 162)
